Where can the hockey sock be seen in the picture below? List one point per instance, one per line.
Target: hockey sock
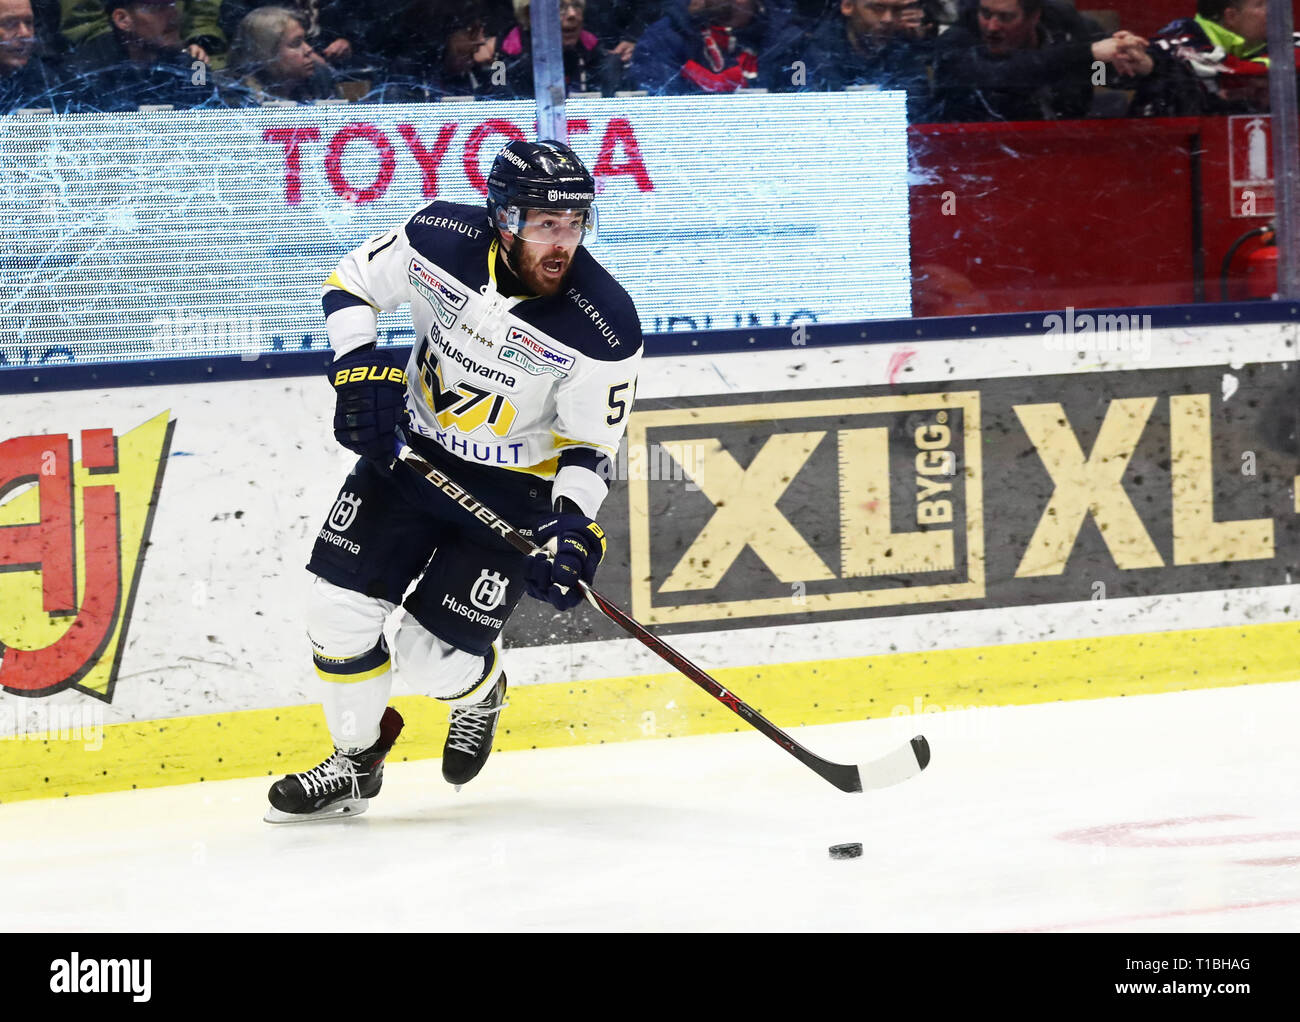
(354, 693)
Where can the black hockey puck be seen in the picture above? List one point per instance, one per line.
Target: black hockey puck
(849, 851)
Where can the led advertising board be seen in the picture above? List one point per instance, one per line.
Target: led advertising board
(164, 234)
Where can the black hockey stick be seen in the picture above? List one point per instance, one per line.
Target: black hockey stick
(906, 761)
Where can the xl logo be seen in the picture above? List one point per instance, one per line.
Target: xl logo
(1092, 485)
(871, 502)
(72, 541)
(865, 502)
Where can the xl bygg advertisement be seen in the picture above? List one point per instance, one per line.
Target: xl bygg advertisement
(747, 511)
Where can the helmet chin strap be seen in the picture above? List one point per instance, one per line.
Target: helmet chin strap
(508, 254)
(508, 251)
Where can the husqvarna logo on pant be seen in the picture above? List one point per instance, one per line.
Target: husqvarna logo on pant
(489, 591)
(344, 512)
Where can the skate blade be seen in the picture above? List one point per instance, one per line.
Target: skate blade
(338, 811)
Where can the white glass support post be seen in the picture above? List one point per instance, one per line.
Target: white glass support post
(548, 70)
(1286, 147)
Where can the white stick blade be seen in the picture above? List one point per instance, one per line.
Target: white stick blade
(902, 764)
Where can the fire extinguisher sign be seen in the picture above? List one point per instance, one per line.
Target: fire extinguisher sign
(1250, 166)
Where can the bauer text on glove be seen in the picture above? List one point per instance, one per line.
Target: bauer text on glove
(371, 401)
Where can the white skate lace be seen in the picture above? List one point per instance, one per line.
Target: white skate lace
(467, 725)
(323, 778)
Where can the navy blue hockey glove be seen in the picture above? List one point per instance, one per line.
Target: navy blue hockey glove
(371, 401)
(577, 544)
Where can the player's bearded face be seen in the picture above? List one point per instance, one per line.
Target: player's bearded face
(542, 268)
(547, 243)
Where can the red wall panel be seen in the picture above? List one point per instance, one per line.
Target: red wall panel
(1031, 216)
(1039, 216)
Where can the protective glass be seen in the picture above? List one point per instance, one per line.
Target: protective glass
(553, 226)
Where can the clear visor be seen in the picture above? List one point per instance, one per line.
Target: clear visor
(552, 226)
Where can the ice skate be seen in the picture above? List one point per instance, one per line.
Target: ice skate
(342, 786)
(469, 736)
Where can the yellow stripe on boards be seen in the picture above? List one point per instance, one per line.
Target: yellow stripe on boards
(274, 742)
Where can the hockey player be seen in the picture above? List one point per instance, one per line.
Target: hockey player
(518, 386)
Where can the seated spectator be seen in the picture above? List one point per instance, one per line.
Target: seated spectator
(588, 66)
(83, 20)
(272, 59)
(1214, 63)
(618, 24)
(336, 30)
(1027, 60)
(888, 43)
(715, 46)
(139, 62)
(26, 81)
(438, 48)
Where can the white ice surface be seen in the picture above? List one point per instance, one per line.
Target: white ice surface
(728, 833)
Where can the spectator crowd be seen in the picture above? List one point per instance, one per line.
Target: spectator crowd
(957, 60)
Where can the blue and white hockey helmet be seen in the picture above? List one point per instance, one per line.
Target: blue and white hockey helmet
(544, 176)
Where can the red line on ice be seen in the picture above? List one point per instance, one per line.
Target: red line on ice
(1132, 835)
(1117, 920)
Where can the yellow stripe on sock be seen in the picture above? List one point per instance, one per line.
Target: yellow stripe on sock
(348, 679)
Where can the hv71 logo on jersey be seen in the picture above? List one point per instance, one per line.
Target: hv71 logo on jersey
(795, 507)
(72, 538)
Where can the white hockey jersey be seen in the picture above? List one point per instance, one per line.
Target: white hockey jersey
(542, 385)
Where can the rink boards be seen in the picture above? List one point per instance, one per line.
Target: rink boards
(837, 533)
